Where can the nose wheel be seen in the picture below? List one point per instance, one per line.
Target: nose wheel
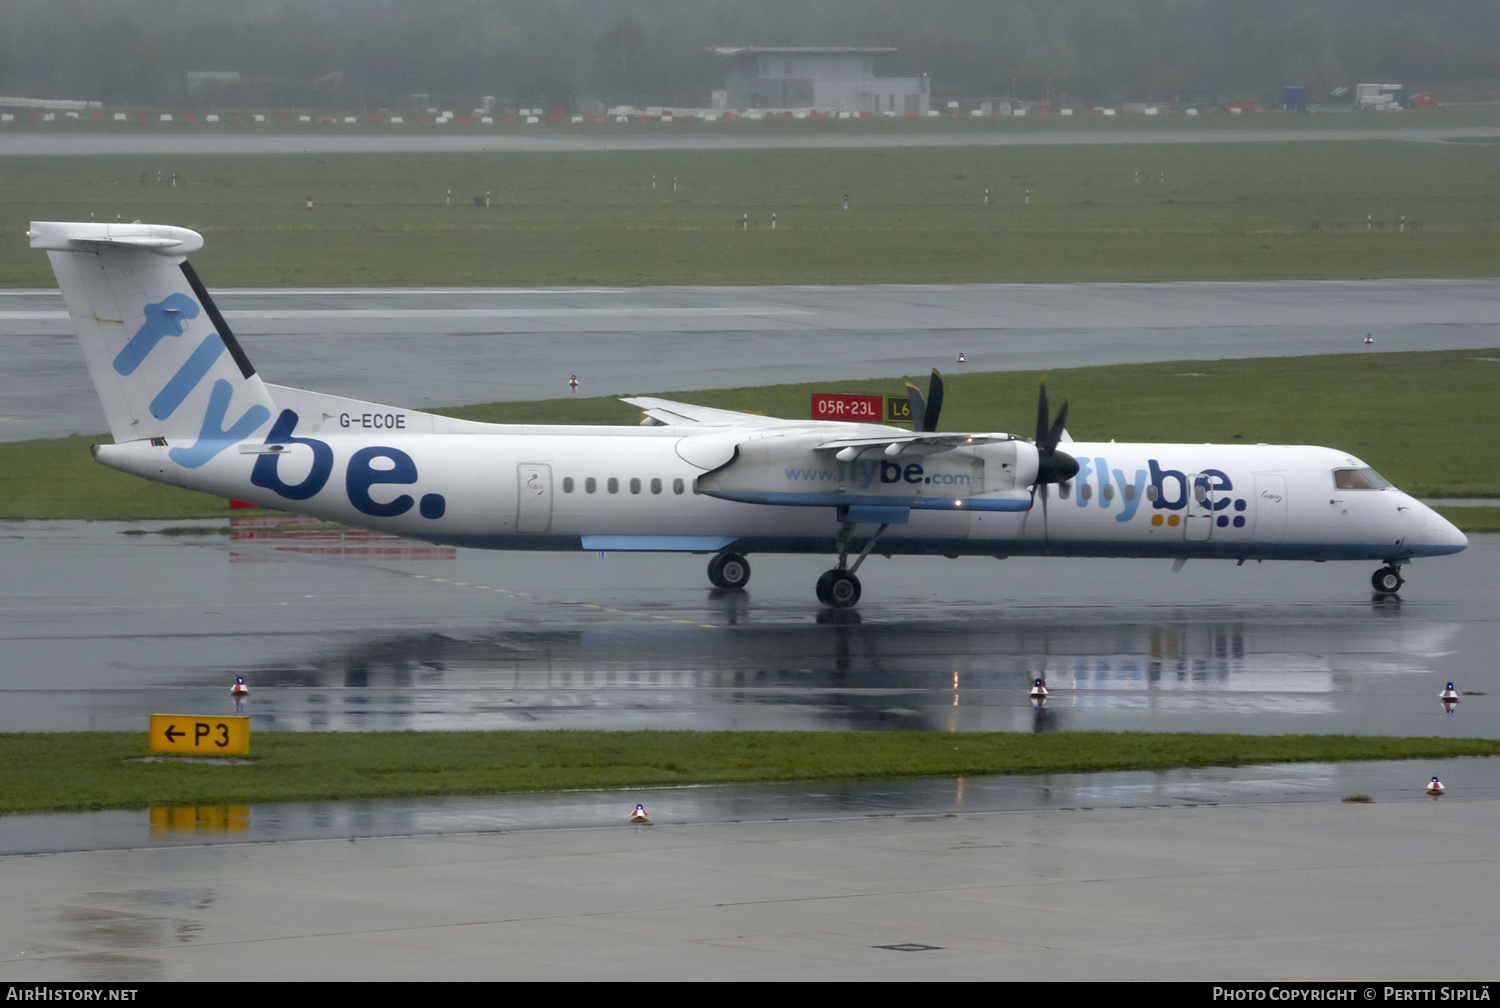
(1387, 580)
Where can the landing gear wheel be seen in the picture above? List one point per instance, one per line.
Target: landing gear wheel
(838, 589)
(1387, 580)
(729, 571)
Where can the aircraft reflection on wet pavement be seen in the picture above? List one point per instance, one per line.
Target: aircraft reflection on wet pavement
(341, 630)
(1187, 674)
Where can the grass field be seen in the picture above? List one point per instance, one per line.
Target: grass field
(1439, 443)
(84, 770)
(1241, 211)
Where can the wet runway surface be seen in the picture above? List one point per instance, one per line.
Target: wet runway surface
(103, 624)
(426, 348)
(1389, 890)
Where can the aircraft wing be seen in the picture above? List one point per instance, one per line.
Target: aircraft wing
(678, 414)
(915, 443)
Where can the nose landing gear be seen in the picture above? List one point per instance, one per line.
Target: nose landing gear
(1387, 580)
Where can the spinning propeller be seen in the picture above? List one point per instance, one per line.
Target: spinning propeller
(1052, 466)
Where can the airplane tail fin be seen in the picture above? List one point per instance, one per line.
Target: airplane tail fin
(163, 361)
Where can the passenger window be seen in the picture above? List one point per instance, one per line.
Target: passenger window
(614, 485)
(1200, 492)
(1108, 491)
(1086, 491)
(589, 486)
(1130, 491)
(655, 486)
(677, 486)
(1152, 492)
(1064, 490)
(567, 484)
(635, 485)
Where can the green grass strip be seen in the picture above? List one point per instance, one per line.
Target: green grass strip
(92, 770)
(989, 214)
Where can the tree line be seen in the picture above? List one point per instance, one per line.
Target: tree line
(373, 54)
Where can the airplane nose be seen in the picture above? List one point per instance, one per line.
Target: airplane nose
(1441, 535)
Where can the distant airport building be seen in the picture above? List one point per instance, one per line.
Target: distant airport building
(1379, 96)
(834, 78)
(211, 80)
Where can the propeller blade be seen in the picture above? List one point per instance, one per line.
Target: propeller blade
(1041, 417)
(934, 402)
(1054, 433)
(1046, 535)
(916, 407)
(1053, 466)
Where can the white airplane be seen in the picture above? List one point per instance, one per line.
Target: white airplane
(185, 407)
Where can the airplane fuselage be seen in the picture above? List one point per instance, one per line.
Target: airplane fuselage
(569, 488)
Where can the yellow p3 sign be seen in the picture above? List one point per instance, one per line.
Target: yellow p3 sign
(200, 736)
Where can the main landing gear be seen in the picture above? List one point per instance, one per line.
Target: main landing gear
(1387, 580)
(839, 588)
(729, 571)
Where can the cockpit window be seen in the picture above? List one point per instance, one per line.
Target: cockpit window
(1359, 479)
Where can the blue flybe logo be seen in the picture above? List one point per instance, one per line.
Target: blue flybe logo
(1167, 490)
(864, 473)
(369, 467)
(164, 320)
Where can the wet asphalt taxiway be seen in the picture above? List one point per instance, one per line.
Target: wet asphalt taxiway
(104, 623)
